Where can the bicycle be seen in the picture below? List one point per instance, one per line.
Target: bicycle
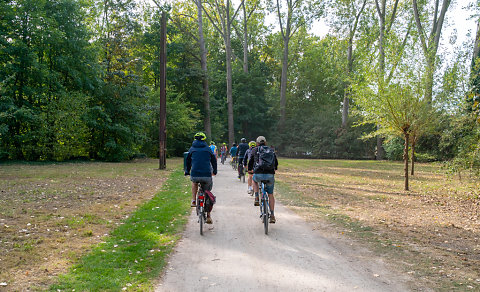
(224, 157)
(264, 207)
(234, 162)
(242, 172)
(202, 215)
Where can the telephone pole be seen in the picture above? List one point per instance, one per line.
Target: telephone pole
(163, 97)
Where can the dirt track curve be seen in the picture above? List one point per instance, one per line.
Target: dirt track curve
(234, 254)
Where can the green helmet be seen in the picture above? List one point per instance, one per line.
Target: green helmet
(200, 136)
(212, 143)
(252, 144)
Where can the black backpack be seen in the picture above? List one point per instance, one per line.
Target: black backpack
(266, 158)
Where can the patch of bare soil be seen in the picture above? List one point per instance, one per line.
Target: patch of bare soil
(52, 214)
(431, 233)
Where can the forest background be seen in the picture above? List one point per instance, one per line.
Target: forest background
(79, 79)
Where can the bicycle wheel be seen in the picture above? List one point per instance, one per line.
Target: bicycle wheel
(265, 216)
(243, 177)
(200, 220)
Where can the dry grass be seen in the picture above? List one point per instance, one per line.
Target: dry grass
(52, 213)
(433, 229)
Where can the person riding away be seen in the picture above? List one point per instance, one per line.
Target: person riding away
(223, 152)
(264, 163)
(233, 150)
(242, 148)
(247, 158)
(213, 148)
(201, 164)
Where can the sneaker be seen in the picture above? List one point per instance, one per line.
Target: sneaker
(193, 204)
(272, 219)
(209, 220)
(256, 203)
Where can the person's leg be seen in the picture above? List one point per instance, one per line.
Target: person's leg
(194, 193)
(255, 190)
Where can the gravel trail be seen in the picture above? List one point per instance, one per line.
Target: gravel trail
(234, 254)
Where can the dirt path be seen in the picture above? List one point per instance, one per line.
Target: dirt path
(235, 255)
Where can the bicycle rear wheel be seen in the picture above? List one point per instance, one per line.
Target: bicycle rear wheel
(200, 220)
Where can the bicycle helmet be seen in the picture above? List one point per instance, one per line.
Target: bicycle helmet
(261, 140)
(243, 140)
(234, 145)
(252, 144)
(212, 143)
(200, 136)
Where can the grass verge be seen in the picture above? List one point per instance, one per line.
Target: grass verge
(135, 253)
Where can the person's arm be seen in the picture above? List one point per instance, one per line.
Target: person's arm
(189, 163)
(213, 161)
(252, 160)
(276, 162)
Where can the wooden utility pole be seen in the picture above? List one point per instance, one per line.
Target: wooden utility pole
(162, 133)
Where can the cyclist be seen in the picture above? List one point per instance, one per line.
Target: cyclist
(264, 163)
(201, 165)
(247, 158)
(233, 151)
(213, 148)
(242, 148)
(223, 152)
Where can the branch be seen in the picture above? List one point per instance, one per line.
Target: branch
(392, 18)
(253, 10)
(280, 19)
(179, 26)
(439, 25)
(214, 24)
(357, 17)
(235, 14)
(378, 8)
(399, 54)
(419, 27)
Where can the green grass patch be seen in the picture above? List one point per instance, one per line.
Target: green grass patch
(134, 254)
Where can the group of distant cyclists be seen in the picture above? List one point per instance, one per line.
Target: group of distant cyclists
(259, 160)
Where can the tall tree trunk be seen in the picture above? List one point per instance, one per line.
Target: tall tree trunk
(283, 80)
(346, 105)
(431, 42)
(405, 159)
(414, 141)
(245, 40)
(476, 48)
(203, 61)
(381, 60)
(228, 49)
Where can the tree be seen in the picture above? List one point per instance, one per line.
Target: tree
(299, 13)
(430, 44)
(222, 18)
(399, 111)
(348, 16)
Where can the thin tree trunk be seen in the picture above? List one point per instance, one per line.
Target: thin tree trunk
(405, 159)
(476, 48)
(414, 141)
(346, 104)
(203, 61)
(245, 40)
(283, 80)
(228, 49)
(381, 60)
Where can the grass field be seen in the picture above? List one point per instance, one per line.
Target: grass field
(432, 230)
(54, 214)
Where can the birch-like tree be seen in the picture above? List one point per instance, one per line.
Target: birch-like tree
(222, 15)
(430, 42)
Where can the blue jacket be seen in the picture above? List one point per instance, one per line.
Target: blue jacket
(242, 148)
(200, 160)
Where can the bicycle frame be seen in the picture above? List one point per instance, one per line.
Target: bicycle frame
(202, 215)
(264, 207)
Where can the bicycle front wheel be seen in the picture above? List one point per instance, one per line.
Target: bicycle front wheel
(265, 217)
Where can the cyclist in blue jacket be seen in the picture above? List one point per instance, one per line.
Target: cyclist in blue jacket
(201, 165)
